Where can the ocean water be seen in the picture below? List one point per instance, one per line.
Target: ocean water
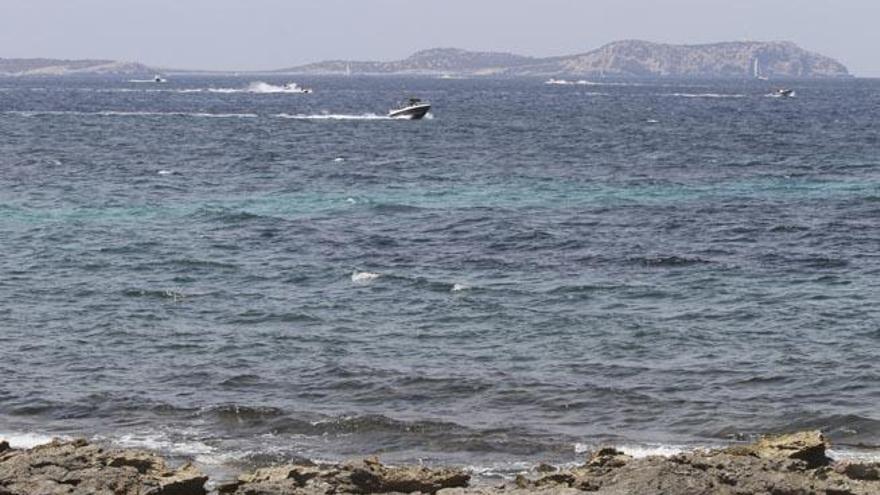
(217, 268)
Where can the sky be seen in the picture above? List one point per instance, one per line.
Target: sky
(272, 34)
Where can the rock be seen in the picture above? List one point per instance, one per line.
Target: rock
(186, 480)
(807, 446)
(608, 457)
(361, 477)
(789, 464)
(4, 446)
(868, 472)
(80, 468)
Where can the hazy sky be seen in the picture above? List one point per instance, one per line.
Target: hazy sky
(265, 34)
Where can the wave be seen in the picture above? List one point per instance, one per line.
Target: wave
(260, 87)
(364, 277)
(669, 261)
(27, 440)
(584, 82)
(155, 294)
(115, 113)
(565, 82)
(334, 116)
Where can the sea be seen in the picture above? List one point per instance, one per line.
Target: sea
(224, 269)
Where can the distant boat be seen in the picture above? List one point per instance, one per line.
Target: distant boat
(159, 79)
(784, 93)
(756, 69)
(413, 109)
(295, 88)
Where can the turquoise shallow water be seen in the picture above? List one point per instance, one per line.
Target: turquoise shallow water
(246, 276)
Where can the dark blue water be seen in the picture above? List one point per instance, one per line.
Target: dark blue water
(249, 276)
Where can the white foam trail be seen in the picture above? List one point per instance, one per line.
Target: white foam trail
(260, 87)
(460, 287)
(28, 440)
(165, 172)
(364, 277)
(584, 82)
(334, 116)
(705, 95)
(113, 113)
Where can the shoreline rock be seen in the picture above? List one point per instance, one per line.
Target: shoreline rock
(794, 464)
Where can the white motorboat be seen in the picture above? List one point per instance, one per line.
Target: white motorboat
(413, 109)
(295, 88)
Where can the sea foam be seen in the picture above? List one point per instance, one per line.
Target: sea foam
(363, 277)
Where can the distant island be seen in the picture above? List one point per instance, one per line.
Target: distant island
(624, 59)
(56, 67)
(620, 59)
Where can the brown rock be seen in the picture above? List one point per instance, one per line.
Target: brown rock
(807, 446)
(608, 457)
(79, 468)
(868, 472)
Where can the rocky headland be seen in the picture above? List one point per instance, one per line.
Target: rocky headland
(55, 67)
(620, 59)
(795, 464)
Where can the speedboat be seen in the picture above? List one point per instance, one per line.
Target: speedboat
(295, 88)
(159, 79)
(413, 109)
(784, 93)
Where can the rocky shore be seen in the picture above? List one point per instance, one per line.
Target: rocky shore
(794, 464)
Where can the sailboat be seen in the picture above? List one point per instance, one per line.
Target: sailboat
(756, 68)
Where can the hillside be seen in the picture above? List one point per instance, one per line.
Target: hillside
(55, 67)
(745, 59)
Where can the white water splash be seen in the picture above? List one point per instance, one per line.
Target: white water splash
(28, 440)
(260, 87)
(641, 451)
(460, 287)
(364, 277)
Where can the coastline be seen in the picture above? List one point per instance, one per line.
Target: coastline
(797, 463)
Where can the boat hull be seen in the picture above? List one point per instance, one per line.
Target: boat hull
(416, 112)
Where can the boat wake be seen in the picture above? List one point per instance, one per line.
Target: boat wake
(260, 87)
(705, 95)
(334, 116)
(113, 113)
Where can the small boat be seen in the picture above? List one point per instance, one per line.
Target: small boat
(784, 93)
(413, 109)
(295, 88)
(159, 79)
